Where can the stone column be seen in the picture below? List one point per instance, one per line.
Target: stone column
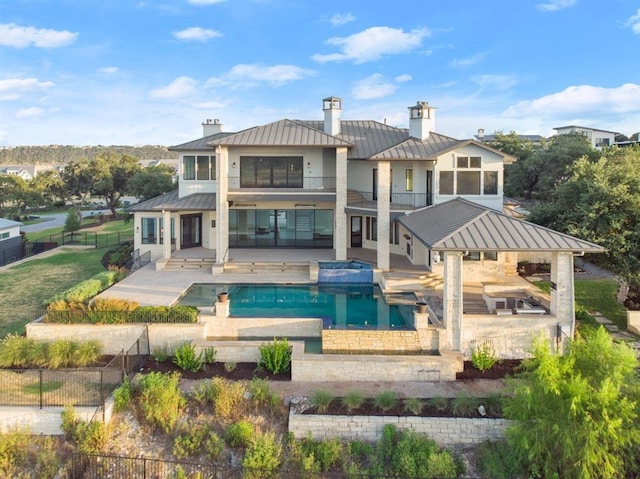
(222, 204)
(166, 234)
(562, 296)
(384, 206)
(340, 230)
(453, 301)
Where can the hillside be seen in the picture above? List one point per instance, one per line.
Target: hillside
(59, 154)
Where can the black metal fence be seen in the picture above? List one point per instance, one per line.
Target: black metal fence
(89, 466)
(143, 314)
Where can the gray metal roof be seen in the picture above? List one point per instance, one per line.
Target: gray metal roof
(460, 225)
(9, 223)
(281, 133)
(171, 202)
(414, 149)
(200, 143)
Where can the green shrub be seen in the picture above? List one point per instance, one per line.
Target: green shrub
(89, 437)
(483, 356)
(61, 353)
(191, 441)
(225, 396)
(13, 450)
(160, 353)
(239, 434)
(160, 400)
(166, 314)
(15, 350)
(213, 446)
(87, 353)
(263, 457)
(230, 366)
(439, 403)
(352, 400)
(210, 355)
(496, 460)
(275, 357)
(322, 455)
(414, 405)
(386, 400)
(122, 395)
(185, 358)
(321, 400)
(465, 405)
(260, 390)
(47, 460)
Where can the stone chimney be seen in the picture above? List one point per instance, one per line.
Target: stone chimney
(480, 133)
(332, 107)
(422, 120)
(211, 127)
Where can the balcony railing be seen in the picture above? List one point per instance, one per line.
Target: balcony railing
(309, 183)
(399, 201)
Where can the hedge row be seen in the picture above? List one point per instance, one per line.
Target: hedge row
(87, 289)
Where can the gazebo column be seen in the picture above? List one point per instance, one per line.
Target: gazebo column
(384, 192)
(166, 234)
(562, 298)
(453, 301)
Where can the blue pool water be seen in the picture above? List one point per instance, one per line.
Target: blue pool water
(340, 306)
(344, 272)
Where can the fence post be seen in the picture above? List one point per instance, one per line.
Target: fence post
(40, 387)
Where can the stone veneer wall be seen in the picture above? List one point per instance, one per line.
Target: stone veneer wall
(377, 341)
(445, 431)
(219, 327)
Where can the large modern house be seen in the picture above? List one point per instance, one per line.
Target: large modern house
(350, 185)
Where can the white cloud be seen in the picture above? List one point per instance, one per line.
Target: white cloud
(580, 100)
(403, 78)
(28, 113)
(200, 3)
(340, 19)
(196, 34)
(500, 82)
(554, 5)
(109, 70)
(372, 87)
(465, 62)
(634, 23)
(249, 75)
(11, 89)
(12, 35)
(372, 44)
(178, 88)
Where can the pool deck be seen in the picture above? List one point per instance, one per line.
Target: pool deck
(162, 288)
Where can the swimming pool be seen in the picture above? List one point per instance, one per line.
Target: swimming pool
(341, 306)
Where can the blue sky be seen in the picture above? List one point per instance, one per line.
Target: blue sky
(115, 72)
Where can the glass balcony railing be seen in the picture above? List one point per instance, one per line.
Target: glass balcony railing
(399, 201)
(309, 183)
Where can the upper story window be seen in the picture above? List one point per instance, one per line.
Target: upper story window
(271, 172)
(468, 178)
(201, 167)
(600, 142)
(408, 180)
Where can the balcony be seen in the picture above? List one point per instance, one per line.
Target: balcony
(399, 201)
(309, 183)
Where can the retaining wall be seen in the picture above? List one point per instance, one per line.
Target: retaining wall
(445, 431)
(377, 341)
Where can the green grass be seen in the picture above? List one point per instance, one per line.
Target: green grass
(24, 287)
(34, 388)
(596, 295)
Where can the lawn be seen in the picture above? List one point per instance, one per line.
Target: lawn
(597, 295)
(26, 286)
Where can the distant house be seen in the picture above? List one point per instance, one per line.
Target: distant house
(26, 172)
(481, 136)
(598, 138)
(11, 246)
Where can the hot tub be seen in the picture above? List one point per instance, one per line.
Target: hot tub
(345, 272)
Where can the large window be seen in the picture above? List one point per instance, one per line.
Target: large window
(468, 178)
(446, 182)
(468, 182)
(271, 172)
(490, 183)
(201, 167)
(149, 230)
(408, 179)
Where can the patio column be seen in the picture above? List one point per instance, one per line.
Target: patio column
(562, 296)
(340, 229)
(452, 301)
(166, 234)
(384, 191)
(222, 204)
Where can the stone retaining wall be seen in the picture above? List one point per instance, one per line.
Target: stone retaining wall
(228, 327)
(444, 430)
(374, 341)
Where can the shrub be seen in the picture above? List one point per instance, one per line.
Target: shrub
(483, 356)
(260, 390)
(321, 399)
(352, 400)
(414, 405)
(185, 358)
(210, 355)
(465, 405)
(13, 450)
(160, 353)
(213, 446)
(160, 400)
(122, 395)
(439, 403)
(321, 456)
(496, 460)
(89, 437)
(230, 366)
(225, 396)
(14, 351)
(239, 434)
(275, 357)
(166, 314)
(386, 400)
(262, 458)
(86, 353)
(61, 353)
(191, 441)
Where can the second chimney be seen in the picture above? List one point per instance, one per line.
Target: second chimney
(332, 107)
(211, 127)
(422, 120)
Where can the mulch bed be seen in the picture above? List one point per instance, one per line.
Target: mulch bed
(503, 369)
(241, 371)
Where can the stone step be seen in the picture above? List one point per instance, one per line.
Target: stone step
(265, 267)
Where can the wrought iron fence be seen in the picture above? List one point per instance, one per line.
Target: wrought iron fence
(89, 466)
(143, 314)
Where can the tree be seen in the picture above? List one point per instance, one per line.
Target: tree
(73, 222)
(79, 177)
(11, 187)
(50, 185)
(152, 181)
(113, 173)
(575, 414)
(600, 202)
(536, 175)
